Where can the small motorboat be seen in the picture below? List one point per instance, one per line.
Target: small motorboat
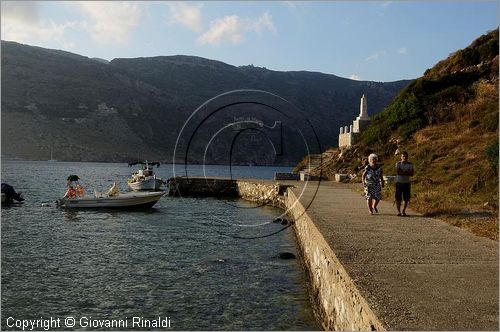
(9, 195)
(131, 200)
(145, 179)
(75, 197)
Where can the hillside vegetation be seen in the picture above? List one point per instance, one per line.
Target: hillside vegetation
(447, 120)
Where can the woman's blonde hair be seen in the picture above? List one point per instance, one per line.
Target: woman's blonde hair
(372, 157)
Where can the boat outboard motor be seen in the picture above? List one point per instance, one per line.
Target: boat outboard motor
(11, 194)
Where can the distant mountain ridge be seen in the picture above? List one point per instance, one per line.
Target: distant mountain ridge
(91, 110)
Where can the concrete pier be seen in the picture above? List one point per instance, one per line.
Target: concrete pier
(384, 272)
(260, 191)
(388, 272)
(193, 186)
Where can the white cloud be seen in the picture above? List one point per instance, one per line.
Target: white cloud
(186, 15)
(265, 22)
(403, 50)
(107, 22)
(224, 29)
(21, 22)
(110, 22)
(36, 33)
(26, 11)
(354, 77)
(233, 29)
(375, 56)
(290, 4)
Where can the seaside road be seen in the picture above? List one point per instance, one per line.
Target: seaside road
(415, 273)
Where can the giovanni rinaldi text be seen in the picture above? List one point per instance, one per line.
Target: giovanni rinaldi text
(87, 322)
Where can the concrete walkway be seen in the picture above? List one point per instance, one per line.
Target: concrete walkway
(415, 273)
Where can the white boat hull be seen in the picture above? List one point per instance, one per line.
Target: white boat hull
(125, 200)
(148, 184)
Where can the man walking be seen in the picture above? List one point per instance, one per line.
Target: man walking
(404, 169)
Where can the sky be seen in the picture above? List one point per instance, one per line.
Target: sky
(363, 40)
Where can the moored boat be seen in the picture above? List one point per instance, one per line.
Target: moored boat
(9, 195)
(122, 201)
(75, 197)
(145, 179)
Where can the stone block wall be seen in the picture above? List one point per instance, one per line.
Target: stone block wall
(342, 177)
(347, 139)
(191, 186)
(359, 125)
(286, 176)
(262, 193)
(336, 300)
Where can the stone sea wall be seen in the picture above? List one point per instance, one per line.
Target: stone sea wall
(192, 186)
(286, 176)
(259, 191)
(263, 193)
(336, 300)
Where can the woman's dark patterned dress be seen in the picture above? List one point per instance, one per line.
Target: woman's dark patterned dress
(373, 189)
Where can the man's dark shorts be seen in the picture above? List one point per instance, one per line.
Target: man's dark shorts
(403, 191)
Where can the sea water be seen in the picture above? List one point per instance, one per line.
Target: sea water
(194, 263)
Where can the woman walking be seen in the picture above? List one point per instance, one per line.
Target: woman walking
(373, 183)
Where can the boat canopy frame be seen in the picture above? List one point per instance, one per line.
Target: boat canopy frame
(149, 163)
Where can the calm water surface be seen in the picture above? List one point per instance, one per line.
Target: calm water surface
(181, 259)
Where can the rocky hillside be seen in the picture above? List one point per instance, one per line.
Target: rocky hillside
(448, 122)
(91, 110)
